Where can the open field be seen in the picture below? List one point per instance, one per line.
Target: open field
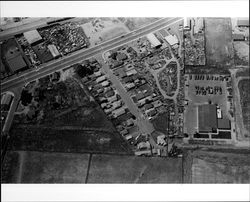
(219, 47)
(136, 23)
(130, 169)
(38, 167)
(244, 89)
(218, 167)
(65, 139)
(241, 53)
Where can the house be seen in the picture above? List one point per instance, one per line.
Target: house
(112, 99)
(148, 106)
(131, 72)
(117, 104)
(117, 64)
(143, 145)
(124, 132)
(105, 83)
(129, 86)
(110, 93)
(101, 78)
(98, 73)
(130, 122)
(118, 112)
(152, 113)
(128, 137)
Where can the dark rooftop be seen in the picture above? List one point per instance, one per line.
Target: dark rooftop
(207, 115)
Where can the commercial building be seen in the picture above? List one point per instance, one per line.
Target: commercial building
(243, 22)
(153, 40)
(207, 118)
(16, 63)
(238, 37)
(32, 37)
(172, 40)
(211, 119)
(187, 24)
(53, 50)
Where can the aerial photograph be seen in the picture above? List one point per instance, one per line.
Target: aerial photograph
(146, 100)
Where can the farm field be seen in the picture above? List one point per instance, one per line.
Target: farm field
(130, 169)
(220, 167)
(42, 167)
(219, 47)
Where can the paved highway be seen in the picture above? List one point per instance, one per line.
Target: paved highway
(80, 55)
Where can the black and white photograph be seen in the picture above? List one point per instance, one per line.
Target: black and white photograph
(125, 100)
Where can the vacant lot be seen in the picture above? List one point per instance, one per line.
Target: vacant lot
(103, 29)
(135, 23)
(241, 53)
(219, 47)
(244, 89)
(65, 139)
(38, 167)
(130, 169)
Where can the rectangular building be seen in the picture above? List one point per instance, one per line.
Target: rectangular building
(53, 50)
(153, 40)
(32, 36)
(207, 118)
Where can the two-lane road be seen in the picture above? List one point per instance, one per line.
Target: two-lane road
(80, 55)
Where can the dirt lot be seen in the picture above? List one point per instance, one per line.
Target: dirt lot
(245, 101)
(219, 47)
(135, 23)
(217, 167)
(130, 169)
(38, 167)
(241, 53)
(103, 29)
(65, 139)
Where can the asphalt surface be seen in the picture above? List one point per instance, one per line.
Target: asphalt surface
(80, 55)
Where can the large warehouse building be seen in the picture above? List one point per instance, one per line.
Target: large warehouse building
(32, 37)
(211, 119)
(153, 40)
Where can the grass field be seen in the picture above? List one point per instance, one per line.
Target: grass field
(219, 47)
(67, 140)
(244, 89)
(130, 169)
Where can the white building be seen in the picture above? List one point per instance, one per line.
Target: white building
(172, 40)
(32, 36)
(118, 112)
(101, 79)
(153, 40)
(53, 50)
(187, 23)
